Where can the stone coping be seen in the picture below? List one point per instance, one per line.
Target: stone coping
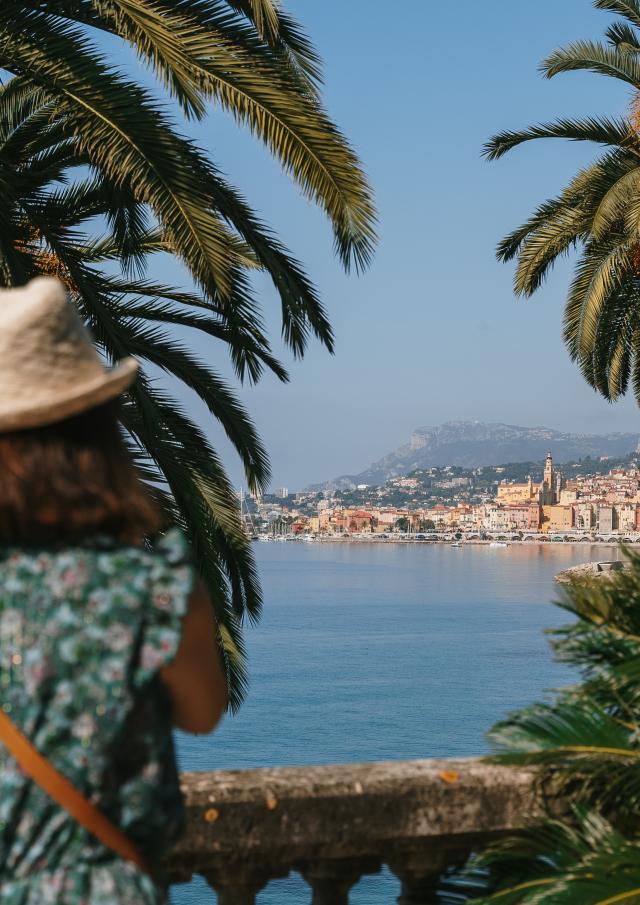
(275, 819)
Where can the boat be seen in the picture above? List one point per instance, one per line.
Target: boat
(455, 544)
(498, 543)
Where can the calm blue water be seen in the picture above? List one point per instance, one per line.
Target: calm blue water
(381, 651)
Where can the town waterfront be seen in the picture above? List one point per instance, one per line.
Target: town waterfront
(374, 652)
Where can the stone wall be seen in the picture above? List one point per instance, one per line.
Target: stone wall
(335, 823)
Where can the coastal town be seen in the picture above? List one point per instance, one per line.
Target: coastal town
(591, 505)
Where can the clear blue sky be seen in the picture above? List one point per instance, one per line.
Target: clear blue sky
(432, 332)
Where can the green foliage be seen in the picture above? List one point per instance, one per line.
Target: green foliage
(586, 744)
(96, 179)
(597, 214)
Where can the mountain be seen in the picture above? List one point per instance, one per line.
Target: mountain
(474, 443)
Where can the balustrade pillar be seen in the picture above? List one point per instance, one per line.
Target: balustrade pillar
(239, 884)
(419, 873)
(331, 879)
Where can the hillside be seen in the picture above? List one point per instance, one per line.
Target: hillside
(452, 485)
(471, 444)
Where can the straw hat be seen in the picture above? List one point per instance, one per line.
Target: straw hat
(49, 368)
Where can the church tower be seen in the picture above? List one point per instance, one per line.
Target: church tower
(548, 472)
(548, 489)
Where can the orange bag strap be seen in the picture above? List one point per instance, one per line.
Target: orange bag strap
(65, 794)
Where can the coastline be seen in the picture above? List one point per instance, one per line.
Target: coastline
(494, 543)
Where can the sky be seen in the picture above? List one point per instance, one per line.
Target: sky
(432, 331)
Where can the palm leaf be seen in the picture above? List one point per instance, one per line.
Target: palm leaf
(592, 57)
(598, 129)
(629, 9)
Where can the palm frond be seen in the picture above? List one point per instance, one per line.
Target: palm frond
(598, 129)
(555, 864)
(623, 37)
(96, 179)
(586, 744)
(629, 9)
(616, 204)
(590, 56)
(227, 63)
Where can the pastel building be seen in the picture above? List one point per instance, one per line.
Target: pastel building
(557, 518)
(584, 516)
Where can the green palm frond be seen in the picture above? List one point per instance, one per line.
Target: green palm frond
(606, 275)
(205, 503)
(284, 34)
(623, 37)
(583, 195)
(605, 356)
(225, 62)
(590, 56)
(628, 9)
(598, 215)
(585, 743)
(618, 204)
(598, 129)
(555, 236)
(590, 863)
(586, 746)
(96, 178)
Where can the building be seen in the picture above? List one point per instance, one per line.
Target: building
(557, 518)
(584, 516)
(626, 513)
(547, 493)
(607, 520)
(359, 521)
(513, 493)
(552, 484)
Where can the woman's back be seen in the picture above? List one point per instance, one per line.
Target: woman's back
(84, 631)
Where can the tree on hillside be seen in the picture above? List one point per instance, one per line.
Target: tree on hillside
(96, 179)
(598, 213)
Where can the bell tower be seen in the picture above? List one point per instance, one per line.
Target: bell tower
(548, 488)
(548, 472)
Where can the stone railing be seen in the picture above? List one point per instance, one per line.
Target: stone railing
(334, 824)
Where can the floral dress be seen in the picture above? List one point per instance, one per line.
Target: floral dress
(84, 631)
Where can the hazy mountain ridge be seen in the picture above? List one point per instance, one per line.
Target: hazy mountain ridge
(471, 444)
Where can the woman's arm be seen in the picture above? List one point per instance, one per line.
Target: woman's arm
(195, 678)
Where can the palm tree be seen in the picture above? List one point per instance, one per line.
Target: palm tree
(598, 213)
(586, 744)
(96, 179)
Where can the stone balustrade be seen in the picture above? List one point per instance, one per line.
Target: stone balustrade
(334, 824)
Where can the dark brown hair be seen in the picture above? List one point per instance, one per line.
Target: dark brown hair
(71, 480)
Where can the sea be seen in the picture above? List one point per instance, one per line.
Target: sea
(383, 651)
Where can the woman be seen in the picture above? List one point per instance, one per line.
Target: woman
(106, 640)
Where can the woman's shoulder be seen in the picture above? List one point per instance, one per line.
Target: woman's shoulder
(172, 545)
(99, 561)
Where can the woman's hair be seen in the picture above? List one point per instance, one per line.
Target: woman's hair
(70, 480)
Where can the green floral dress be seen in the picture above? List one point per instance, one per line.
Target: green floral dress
(84, 631)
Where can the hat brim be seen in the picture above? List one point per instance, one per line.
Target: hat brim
(80, 398)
